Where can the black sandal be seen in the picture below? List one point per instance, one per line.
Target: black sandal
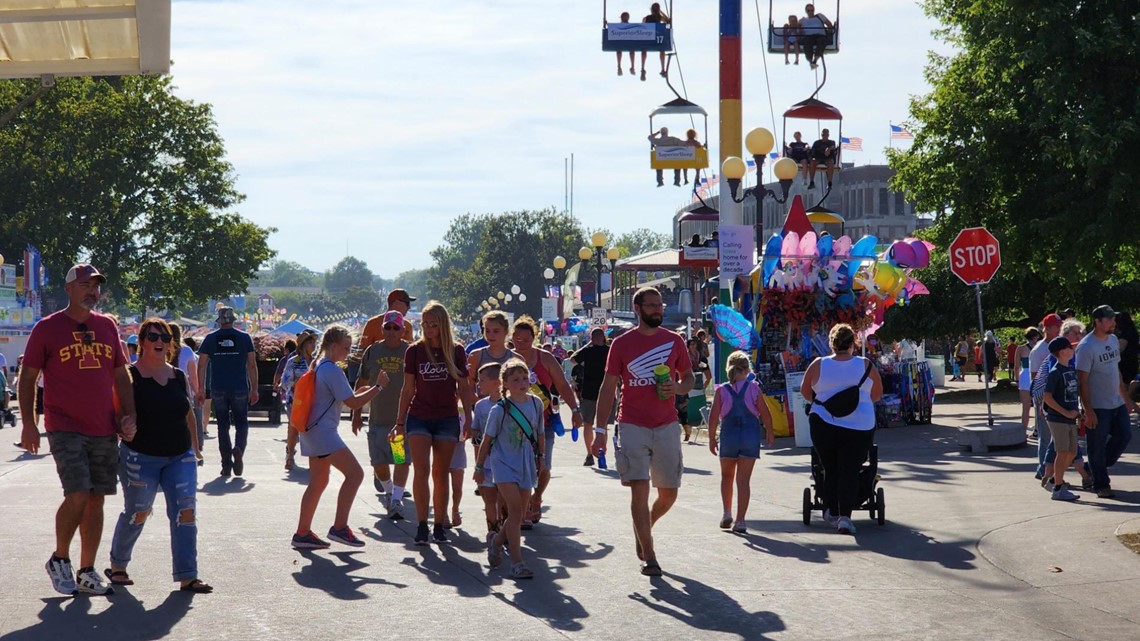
(118, 577)
(650, 568)
(197, 586)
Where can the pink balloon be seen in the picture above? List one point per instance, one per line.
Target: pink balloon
(921, 253)
(901, 254)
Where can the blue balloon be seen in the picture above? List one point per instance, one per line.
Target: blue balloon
(825, 246)
(864, 248)
(771, 257)
(733, 328)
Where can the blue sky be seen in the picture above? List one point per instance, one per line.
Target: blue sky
(366, 126)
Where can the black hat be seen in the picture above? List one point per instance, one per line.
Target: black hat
(1104, 311)
(1058, 344)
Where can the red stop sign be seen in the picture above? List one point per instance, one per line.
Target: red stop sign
(975, 255)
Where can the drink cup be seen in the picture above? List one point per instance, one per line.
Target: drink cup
(662, 374)
(398, 454)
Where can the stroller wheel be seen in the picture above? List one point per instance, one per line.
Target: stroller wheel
(807, 506)
(881, 504)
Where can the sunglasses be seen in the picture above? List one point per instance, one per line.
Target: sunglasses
(155, 337)
(392, 328)
(88, 336)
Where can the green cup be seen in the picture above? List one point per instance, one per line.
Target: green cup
(398, 455)
(662, 373)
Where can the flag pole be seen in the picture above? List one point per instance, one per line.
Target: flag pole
(890, 135)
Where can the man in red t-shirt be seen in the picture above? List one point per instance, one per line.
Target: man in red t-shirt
(647, 419)
(81, 357)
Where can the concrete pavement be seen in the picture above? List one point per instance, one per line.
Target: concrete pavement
(973, 548)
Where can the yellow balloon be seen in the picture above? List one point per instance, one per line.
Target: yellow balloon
(1, 259)
(889, 279)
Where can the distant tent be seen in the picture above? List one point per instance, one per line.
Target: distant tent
(294, 327)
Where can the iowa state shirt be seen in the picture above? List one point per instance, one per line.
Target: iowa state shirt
(78, 362)
(632, 357)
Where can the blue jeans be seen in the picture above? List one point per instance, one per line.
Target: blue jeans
(1044, 440)
(1107, 442)
(141, 477)
(225, 404)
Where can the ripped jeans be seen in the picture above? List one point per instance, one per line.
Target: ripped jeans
(142, 476)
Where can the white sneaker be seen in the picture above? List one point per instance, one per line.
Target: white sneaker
(62, 576)
(396, 510)
(90, 582)
(845, 526)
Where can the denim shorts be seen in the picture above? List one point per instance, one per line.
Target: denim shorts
(437, 429)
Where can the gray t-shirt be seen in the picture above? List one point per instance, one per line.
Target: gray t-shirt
(385, 406)
(1100, 357)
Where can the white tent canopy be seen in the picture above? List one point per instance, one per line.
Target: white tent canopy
(84, 37)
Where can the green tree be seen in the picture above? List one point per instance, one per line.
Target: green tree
(121, 172)
(362, 299)
(1019, 136)
(418, 282)
(286, 273)
(640, 241)
(486, 253)
(349, 272)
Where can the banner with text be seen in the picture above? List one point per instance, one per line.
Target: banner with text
(737, 250)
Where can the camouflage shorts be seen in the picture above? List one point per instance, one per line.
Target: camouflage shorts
(85, 463)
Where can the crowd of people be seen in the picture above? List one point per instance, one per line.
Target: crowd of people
(139, 425)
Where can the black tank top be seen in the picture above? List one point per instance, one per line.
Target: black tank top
(161, 411)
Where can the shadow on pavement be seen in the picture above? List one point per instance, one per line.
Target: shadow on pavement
(903, 542)
(222, 485)
(703, 607)
(323, 573)
(808, 553)
(126, 619)
(443, 565)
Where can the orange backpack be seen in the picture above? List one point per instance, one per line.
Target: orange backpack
(304, 393)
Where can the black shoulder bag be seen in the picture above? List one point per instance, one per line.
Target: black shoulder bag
(846, 401)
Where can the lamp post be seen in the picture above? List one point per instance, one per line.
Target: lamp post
(555, 274)
(759, 142)
(598, 240)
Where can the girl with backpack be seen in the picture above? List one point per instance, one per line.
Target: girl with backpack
(742, 416)
(512, 447)
(321, 442)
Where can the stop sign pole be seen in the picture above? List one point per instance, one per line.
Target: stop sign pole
(975, 256)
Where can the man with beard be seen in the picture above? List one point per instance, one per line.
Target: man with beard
(647, 421)
(81, 357)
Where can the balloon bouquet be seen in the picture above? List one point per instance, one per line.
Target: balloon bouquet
(812, 282)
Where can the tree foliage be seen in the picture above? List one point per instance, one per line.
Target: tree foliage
(122, 173)
(287, 273)
(349, 272)
(640, 241)
(1031, 130)
(483, 254)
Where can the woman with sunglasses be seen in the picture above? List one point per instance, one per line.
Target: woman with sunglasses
(435, 381)
(162, 456)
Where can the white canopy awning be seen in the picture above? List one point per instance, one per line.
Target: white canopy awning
(84, 37)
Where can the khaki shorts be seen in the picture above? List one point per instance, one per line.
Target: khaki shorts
(650, 454)
(1064, 436)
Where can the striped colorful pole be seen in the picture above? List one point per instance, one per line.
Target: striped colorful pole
(731, 141)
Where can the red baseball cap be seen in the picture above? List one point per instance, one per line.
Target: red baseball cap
(1051, 319)
(400, 295)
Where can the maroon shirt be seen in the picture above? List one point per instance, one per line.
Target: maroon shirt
(78, 370)
(437, 393)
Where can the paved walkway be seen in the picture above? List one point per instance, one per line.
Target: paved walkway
(973, 548)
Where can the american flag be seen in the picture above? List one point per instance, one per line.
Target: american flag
(898, 132)
(854, 143)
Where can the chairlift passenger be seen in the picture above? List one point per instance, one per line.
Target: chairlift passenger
(792, 35)
(661, 138)
(815, 37)
(797, 150)
(822, 153)
(656, 15)
(691, 141)
(632, 68)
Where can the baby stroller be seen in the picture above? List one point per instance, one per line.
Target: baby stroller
(6, 413)
(870, 495)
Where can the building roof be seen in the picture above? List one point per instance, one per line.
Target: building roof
(661, 259)
(84, 37)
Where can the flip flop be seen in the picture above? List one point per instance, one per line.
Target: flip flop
(197, 587)
(650, 568)
(118, 577)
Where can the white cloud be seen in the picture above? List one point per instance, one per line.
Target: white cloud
(376, 122)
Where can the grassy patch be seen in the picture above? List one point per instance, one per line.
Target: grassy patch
(1131, 541)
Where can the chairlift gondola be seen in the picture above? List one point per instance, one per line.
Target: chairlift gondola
(818, 110)
(679, 156)
(777, 37)
(637, 36)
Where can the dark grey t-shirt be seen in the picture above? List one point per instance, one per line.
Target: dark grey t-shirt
(383, 409)
(1100, 357)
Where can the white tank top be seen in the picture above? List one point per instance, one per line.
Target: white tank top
(835, 375)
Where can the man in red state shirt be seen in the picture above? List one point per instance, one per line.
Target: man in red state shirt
(81, 357)
(647, 418)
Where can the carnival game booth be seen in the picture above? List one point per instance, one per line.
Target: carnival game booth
(805, 284)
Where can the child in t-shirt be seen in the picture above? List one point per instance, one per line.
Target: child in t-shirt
(514, 438)
(490, 388)
(1062, 411)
